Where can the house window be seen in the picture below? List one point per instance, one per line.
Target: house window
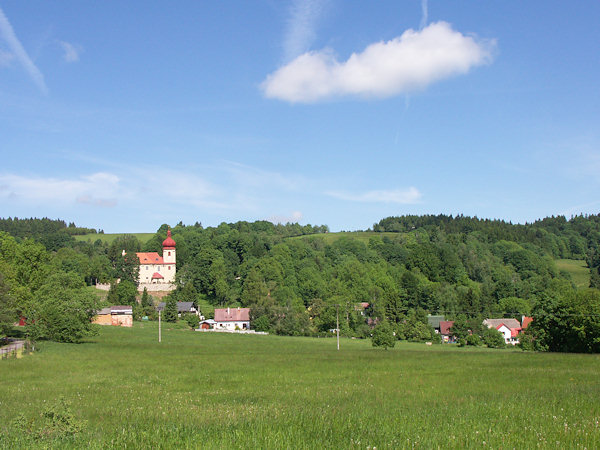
(147, 267)
(158, 268)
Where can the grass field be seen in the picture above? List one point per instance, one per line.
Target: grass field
(110, 237)
(203, 390)
(580, 273)
(363, 236)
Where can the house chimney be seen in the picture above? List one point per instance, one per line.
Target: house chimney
(228, 310)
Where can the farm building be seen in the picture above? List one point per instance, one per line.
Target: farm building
(118, 316)
(232, 318)
(182, 308)
(207, 324)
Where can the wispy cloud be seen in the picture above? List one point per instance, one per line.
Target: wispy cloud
(294, 217)
(71, 52)
(9, 36)
(407, 63)
(401, 196)
(424, 14)
(6, 58)
(99, 189)
(301, 26)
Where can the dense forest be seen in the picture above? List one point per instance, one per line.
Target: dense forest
(296, 278)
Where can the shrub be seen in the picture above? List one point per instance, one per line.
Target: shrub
(192, 320)
(474, 339)
(383, 336)
(493, 338)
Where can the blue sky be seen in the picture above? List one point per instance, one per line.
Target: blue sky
(127, 115)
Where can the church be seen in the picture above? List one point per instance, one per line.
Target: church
(157, 273)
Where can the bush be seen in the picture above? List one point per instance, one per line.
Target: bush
(192, 320)
(474, 340)
(262, 323)
(383, 336)
(493, 338)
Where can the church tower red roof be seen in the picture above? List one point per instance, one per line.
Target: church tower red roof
(169, 242)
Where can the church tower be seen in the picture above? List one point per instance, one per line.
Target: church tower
(169, 250)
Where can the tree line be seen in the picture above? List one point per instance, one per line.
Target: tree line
(296, 279)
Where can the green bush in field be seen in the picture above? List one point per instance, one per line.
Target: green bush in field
(383, 336)
(192, 320)
(493, 338)
(474, 340)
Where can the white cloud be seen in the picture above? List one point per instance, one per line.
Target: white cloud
(401, 196)
(294, 217)
(71, 51)
(9, 36)
(404, 64)
(99, 189)
(300, 33)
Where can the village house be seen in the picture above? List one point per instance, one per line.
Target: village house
(232, 319)
(510, 329)
(182, 308)
(434, 322)
(157, 273)
(447, 336)
(118, 316)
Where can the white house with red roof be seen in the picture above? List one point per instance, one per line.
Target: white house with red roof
(157, 273)
(232, 319)
(510, 329)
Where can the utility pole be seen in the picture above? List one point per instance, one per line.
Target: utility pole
(159, 330)
(337, 324)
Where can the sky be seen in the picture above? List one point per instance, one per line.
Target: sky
(123, 116)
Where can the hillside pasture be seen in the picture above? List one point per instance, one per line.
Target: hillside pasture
(109, 238)
(214, 390)
(363, 236)
(579, 271)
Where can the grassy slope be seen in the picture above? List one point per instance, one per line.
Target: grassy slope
(110, 237)
(578, 269)
(225, 391)
(359, 235)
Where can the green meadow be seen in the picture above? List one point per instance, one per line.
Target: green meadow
(363, 236)
(578, 269)
(109, 238)
(207, 390)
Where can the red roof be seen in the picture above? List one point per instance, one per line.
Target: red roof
(150, 258)
(526, 321)
(157, 276)
(169, 242)
(513, 331)
(445, 326)
(232, 315)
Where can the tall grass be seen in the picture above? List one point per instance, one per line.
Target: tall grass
(242, 391)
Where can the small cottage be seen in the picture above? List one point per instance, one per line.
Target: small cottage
(118, 316)
(232, 319)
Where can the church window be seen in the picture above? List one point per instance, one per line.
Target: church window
(168, 253)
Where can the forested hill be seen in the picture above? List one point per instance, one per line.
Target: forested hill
(293, 276)
(54, 234)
